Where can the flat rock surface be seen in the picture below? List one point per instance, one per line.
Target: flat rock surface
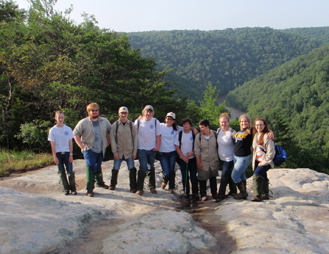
(36, 217)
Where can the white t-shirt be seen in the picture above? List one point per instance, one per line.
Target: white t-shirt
(61, 136)
(168, 137)
(186, 143)
(225, 145)
(147, 133)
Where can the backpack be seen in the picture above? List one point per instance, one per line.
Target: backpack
(180, 134)
(280, 155)
(116, 130)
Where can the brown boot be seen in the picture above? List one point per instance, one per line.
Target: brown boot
(243, 192)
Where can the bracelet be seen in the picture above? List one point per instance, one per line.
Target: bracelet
(71, 154)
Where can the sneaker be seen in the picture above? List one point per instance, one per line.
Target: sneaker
(112, 187)
(204, 198)
(90, 193)
(163, 185)
(139, 192)
(67, 192)
(103, 185)
(154, 191)
(133, 190)
(171, 191)
(74, 192)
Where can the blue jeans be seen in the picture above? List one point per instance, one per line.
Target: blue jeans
(93, 160)
(63, 159)
(240, 166)
(227, 169)
(262, 170)
(146, 157)
(167, 161)
(129, 162)
(192, 168)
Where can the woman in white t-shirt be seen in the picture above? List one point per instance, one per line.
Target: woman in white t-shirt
(225, 141)
(60, 137)
(169, 131)
(148, 129)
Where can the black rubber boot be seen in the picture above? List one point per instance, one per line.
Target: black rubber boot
(186, 188)
(243, 191)
(266, 191)
(132, 180)
(114, 179)
(222, 189)
(232, 187)
(203, 188)
(213, 186)
(140, 182)
(172, 180)
(65, 184)
(258, 188)
(165, 180)
(195, 190)
(151, 176)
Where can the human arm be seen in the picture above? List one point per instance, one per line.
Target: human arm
(158, 142)
(79, 142)
(270, 152)
(198, 162)
(197, 150)
(71, 151)
(180, 154)
(53, 149)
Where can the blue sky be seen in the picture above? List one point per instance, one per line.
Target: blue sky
(148, 15)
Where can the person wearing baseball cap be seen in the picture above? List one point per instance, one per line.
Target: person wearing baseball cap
(124, 147)
(148, 129)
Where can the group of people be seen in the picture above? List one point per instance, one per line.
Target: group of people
(199, 155)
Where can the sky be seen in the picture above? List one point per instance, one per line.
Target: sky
(157, 15)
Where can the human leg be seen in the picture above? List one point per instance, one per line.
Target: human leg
(142, 157)
(61, 172)
(164, 161)
(172, 161)
(151, 173)
(185, 178)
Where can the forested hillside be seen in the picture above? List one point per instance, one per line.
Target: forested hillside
(226, 58)
(296, 97)
(317, 33)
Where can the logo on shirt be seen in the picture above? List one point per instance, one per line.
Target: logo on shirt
(103, 124)
(66, 133)
(152, 126)
(191, 138)
(172, 133)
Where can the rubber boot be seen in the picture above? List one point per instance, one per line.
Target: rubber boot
(65, 184)
(258, 188)
(151, 176)
(232, 186)
(172, 182)
(132, 180)
(266, 190)
(186, 188)
(114, 179)
(195, 190)
(90, 176)
(222, 189)
(72, 183)
(213, 186)
(243, 192)
(99, 177)
(203, 189)
(140, 182)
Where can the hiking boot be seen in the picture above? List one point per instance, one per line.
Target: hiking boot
(90, 193)
(133, 190)
(74, 193)
(219, 198)
(171, 191)
(112, 187)
(243, 192)
(139, 192)
(256, 199)
(154, 191)
(103, 185)
(67, 192)
(204, 198)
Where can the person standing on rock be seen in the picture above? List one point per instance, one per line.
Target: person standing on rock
(60, 137)
(205, 147)
(92, 134)
(124, 147)
(187, 162)
(262, 159)
(226, 142)
(149, 139)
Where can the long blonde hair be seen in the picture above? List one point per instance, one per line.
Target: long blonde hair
(248, 130)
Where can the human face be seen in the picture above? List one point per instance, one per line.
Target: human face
(59, 118)
(244, 124)
(204, 129)
(187, 127)
(224, 124)
(259, 125)
(170, 121)
(93, 113)
(148, 115)
(123, 117)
